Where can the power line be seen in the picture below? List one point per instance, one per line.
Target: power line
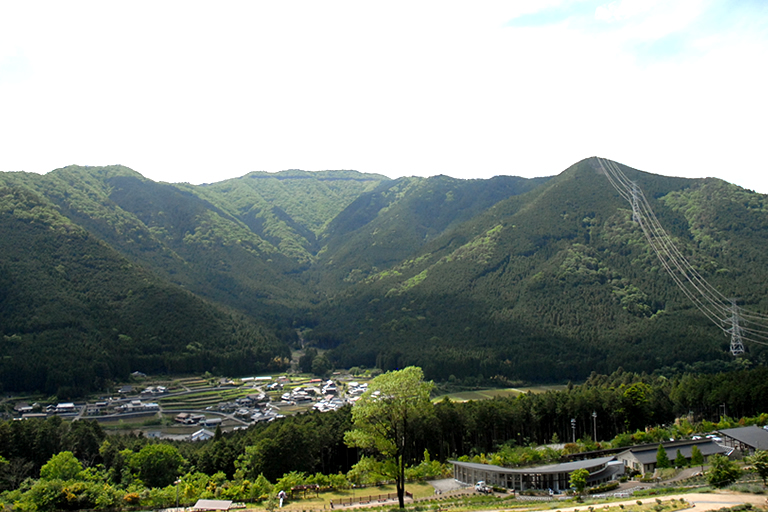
(720, 310)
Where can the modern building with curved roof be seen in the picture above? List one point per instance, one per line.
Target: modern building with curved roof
(554, 476)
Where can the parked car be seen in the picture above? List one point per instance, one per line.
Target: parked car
(481, 487)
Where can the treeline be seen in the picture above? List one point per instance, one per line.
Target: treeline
(628, 408)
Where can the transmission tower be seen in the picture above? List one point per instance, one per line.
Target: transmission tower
(737, 347)
(742, 325)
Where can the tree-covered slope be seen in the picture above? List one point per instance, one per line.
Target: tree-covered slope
(75, 314)
(291, 209)
(556, 283)
(542, 279)
(167, 253)
(383, 227)
(185, 237)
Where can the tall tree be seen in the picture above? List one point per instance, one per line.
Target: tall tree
(680, 460)
(697, 458)
(662, 459)
(158, 465)
(384, 417)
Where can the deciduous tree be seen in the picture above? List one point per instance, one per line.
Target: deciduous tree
(578, 480)
(384, 417)
(722, 471)
(759, 462)
(62, 466)
(158, 465)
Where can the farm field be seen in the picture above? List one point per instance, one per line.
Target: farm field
(486, 394)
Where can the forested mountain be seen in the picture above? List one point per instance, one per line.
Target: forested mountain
(75, 313)
(383, 228)
(103, 272)
(556, 283)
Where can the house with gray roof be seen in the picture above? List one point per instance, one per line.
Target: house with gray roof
(745, 439)
(202, 435)
(642, 458)
(554, 476)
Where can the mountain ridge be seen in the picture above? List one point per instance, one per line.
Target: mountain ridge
(499, 280)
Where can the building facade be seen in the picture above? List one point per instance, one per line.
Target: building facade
(555, 476)
(643, 458)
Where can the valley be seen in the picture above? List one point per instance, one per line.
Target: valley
(496, 283)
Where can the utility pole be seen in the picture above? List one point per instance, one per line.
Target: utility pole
(573, 428)
(594, 425)
(737, 346)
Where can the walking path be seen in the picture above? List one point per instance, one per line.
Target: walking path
(699, 501)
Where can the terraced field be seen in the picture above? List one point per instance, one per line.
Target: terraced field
(203, 399)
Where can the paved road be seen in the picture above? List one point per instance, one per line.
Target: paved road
(700, 501)
(715, 501)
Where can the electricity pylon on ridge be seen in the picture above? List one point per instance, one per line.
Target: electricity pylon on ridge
(704, 296)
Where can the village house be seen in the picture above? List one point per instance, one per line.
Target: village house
(65, 408)
(201, 435)
(211, 422)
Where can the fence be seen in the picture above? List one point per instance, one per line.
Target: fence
(380, 498)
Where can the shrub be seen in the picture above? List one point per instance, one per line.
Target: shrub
(603, 488)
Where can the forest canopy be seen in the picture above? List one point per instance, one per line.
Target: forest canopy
(52, 464)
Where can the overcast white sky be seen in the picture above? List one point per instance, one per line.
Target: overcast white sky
(204, 91)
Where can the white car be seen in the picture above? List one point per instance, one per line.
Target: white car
(481, 487)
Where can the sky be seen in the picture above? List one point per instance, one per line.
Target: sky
(198, 92)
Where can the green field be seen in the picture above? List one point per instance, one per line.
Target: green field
(485, 394)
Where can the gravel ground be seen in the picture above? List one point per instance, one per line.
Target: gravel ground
(447, 485)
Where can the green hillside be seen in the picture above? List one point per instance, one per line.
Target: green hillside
(387, 226)
(188, 238)
(556, 283)
(289, 209)
(103, 272)
(75, 314)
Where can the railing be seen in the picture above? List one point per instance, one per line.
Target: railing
(380, 498)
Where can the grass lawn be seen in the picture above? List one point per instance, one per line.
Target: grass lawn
(419, 490)
(482, 394)
(485, 394)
